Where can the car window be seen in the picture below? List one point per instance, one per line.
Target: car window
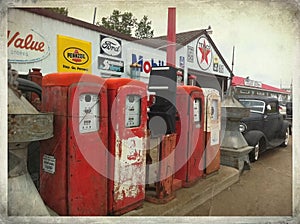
(289, 108)
(272, 108)
(256, 106)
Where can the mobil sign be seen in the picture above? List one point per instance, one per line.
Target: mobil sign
(147, 61)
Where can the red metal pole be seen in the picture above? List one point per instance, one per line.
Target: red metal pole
(171, 48)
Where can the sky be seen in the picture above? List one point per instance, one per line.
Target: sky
(265, 33)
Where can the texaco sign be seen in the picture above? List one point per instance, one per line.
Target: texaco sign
(204, 53)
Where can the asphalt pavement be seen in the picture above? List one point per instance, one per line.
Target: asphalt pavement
(264, 190)
(187, 199)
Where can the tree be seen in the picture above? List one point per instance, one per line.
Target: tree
(63, 10)
(143, 29)
(126, 23)
(123, 23)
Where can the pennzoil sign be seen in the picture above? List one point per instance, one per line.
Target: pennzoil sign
(73, 55)
(76, 56)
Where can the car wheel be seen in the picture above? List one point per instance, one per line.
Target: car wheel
(254, 154)
(286, 139)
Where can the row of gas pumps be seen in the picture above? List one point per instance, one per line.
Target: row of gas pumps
(115, 145)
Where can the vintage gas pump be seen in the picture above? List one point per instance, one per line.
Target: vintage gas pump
(212, 127)
(127, 111)
(192, 80)
(162, 126)
(74, 162)
(179, 78)
(190, 135)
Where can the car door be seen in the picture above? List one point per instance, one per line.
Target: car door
(271, 120)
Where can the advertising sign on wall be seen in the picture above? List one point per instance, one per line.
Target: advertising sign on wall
(73, 55)
(217, 66)
(110, 46)
(146, 63)
(190, 54)
(110, 65)
(205, 57)
(252, 83)
(26, 45)
(204, 53)
(181, 62)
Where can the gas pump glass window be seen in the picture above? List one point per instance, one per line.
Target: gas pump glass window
(197, 110)
(214, 110)
(133, 111)
(88, 113)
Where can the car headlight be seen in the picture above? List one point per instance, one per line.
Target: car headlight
(243, 127)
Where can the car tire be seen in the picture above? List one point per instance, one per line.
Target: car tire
(254, 154)
(286, 139)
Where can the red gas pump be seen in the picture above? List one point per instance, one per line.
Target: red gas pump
(127, 104)
(73, 166)
(190, 134)
(212, 129)
(192, 79)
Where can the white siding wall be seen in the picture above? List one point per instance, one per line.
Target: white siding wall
(23, 21)
(47, 29)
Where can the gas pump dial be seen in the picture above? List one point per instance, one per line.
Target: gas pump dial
(88, 113)
(133, 111)
(196, 110)
(214, 110)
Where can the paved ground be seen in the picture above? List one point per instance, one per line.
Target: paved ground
(265, 190)
(190, 198)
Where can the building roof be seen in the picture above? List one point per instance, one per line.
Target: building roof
(73, 21)
(182, 39)
(240, 81)
(158, 42)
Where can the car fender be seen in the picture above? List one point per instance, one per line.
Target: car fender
(285, 125)
(252, 137)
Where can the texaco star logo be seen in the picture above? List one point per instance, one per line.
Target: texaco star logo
(204, 53)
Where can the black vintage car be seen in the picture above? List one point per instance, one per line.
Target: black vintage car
(265, 128)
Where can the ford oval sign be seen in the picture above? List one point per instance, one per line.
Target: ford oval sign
(110, 46)
(76, 56)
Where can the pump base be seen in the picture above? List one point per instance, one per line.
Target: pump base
(177, 184)
(190, 183)
(151, 197)
(128, 208)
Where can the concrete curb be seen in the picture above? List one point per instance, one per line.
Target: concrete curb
(188, 199)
